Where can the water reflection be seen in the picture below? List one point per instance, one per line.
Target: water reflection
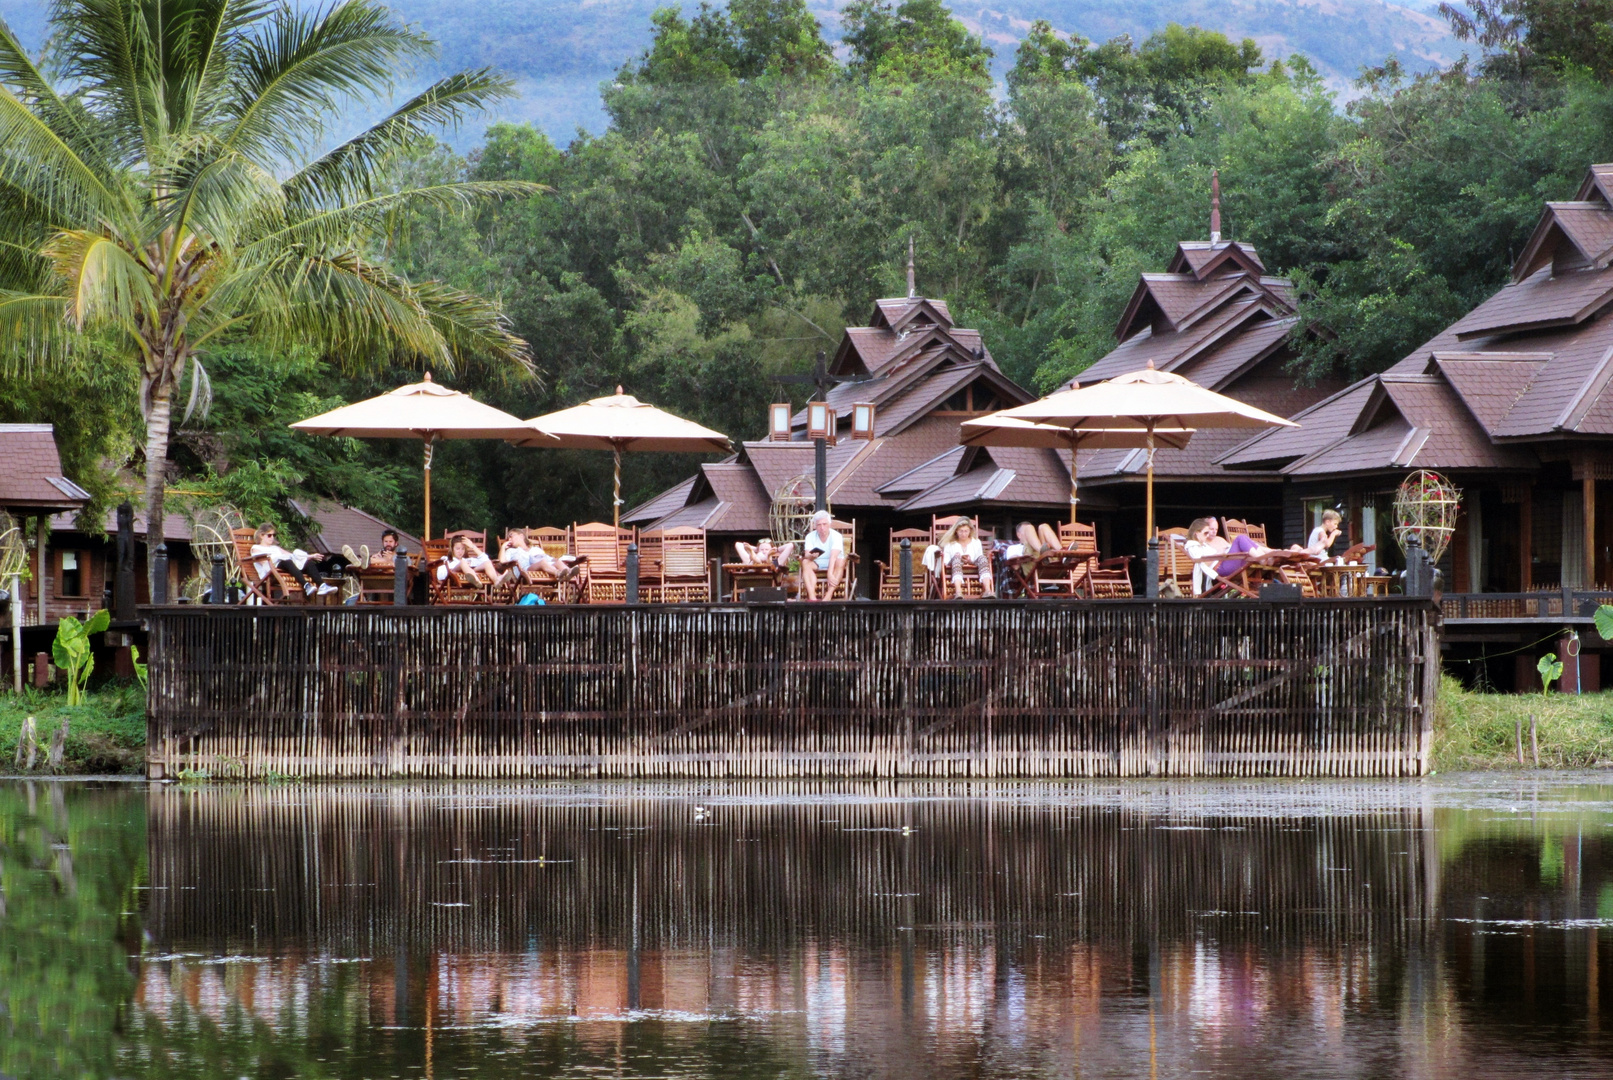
(1237, 930)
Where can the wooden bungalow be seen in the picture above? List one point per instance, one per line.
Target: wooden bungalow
(923, 376)
(32, 490)
(1512, 402)
(1215, 316)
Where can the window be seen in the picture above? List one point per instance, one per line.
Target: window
(972, 399)
(72, 573)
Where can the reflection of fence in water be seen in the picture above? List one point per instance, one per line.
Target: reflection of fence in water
(366, 871)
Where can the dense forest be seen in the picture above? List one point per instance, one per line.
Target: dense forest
(758, 185)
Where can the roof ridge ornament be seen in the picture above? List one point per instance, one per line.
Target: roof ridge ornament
(1215, 206)
(912, 276)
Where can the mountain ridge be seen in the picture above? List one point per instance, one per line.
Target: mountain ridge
(560, 51)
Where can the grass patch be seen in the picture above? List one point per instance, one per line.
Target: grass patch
(106, 734)
(1478, 731)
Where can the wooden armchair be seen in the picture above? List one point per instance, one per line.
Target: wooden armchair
(743, 575)
(939, 585)
(848, 582)
(605, 549)
(275, 587)
(683, 573)
(890, 574)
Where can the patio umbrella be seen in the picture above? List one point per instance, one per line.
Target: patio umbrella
(622, 422)
(426, 411)
(1148, 401)
(998, 429)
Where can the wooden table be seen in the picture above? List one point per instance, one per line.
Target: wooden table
(1343, 580)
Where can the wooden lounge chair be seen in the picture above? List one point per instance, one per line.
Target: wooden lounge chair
(1101, 579)
(683, 573)
(458, 587)
(890, 574)
(605, 548)
(743, 575)
(1175, 567)
(275, 587)
(848, 581)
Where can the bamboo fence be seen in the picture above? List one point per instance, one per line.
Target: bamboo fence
(1106, 688)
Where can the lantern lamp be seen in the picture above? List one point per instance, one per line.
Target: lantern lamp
(820, 421)
(862, 420)
(778, 422)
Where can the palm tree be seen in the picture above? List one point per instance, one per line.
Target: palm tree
(167, 192)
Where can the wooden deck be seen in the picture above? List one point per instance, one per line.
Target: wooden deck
(999, 688)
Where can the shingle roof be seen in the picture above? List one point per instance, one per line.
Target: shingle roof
(175, 527)
(1489, 388)
(1538, 302)
(672, 499)
(334, 525)
(1215, 369)
(743, 505)
(1323, 423)
(31, 478)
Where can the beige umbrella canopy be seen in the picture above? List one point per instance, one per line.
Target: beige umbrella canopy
(426, 411)
(622, 422)
(1148, 401)
(1000, 429)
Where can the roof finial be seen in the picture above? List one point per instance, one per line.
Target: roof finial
(912, 276)
(1215, 206)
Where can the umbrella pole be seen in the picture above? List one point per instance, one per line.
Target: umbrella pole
(427, 533)
(1075, 495)
(1148, 533)
(616, 489)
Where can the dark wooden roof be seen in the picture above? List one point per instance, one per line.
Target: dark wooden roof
(1534, 362)
(31, 480)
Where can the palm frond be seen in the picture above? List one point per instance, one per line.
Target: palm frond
(67, 118)
(108, 49)
(472, 327)
(351, 170)
(292, 75)
(34, 330)
(38, 161)
(219, 198)
(346, 226)
(103, 280)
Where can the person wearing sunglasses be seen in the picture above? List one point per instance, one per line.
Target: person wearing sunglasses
(268, 555)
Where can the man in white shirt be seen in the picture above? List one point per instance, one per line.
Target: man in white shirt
(822, 552)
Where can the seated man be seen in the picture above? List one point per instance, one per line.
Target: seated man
(822, 552)
(385, 559)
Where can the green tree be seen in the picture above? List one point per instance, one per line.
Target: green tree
(164, 194)
(917, 41)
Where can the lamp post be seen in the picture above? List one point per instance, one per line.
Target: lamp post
(820, 423)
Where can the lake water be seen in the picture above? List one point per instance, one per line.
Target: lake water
(1455, 927)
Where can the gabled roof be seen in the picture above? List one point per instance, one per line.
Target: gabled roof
(1586, 228)
(897, 313)
(31, 478)
(1489, 385)
(1539, 302)
(1319, 426)
(333, 524)
(1201, 258)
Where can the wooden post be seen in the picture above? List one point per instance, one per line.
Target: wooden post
(906, 566)
(39, 565)
(215, 591)
(123, 591)
(1590, 529)
(400, 577)
(1534, 739)
(1517, 735)
(1526, 541)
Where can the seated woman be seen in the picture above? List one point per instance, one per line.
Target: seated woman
(765, 554)
(468, 559)
(1035, 540)
(267, 555)
(1210, 563)
(1322, 537)
(523, 555)
(961, 548)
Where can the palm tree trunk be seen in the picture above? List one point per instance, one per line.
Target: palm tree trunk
(156, 472)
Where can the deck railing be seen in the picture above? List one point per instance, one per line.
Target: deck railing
(1555, 604)
(1002, 688)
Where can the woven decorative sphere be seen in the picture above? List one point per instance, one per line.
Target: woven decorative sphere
(791, 513)
(1426, 507)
